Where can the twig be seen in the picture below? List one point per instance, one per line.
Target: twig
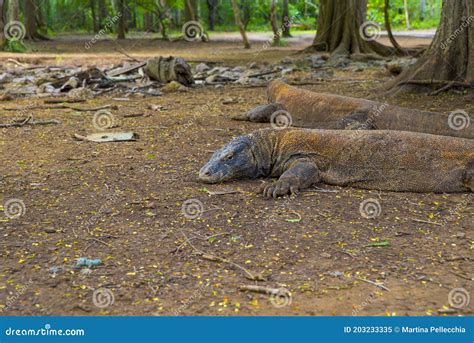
(379, 285)
(124, 53)
(260, 289)
(214, 258)
(426, 222)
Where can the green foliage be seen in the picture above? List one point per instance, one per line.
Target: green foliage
(15, 46)
(77, 15)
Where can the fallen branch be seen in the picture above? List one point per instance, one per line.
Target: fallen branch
(376, 284)
(29, 121)
(249, 275)
(260, 289)
(425, 221)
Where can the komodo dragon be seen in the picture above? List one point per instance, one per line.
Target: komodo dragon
(329, 111)
(381, 160)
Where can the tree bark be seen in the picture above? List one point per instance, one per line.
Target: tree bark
(211, 14)
(238, 22)
(285, 20)
(274, 23)
(339, 32)
(122, 19)
(13, 10)
(450, 56)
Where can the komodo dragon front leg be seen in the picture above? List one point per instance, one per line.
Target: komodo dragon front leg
(300, 174)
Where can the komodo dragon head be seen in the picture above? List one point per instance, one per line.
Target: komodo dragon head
(235, 160)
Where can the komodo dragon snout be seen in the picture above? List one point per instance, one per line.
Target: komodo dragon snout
(234, 160)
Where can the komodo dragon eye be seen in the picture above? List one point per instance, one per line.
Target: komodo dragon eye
(228, 156)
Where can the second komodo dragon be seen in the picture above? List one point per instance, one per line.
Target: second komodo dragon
(329, 111)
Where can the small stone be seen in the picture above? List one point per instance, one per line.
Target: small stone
(325, 255)
(202, 67)
(460, 235)
(286, 60)
(253, 65)
(172, 87)
(50, 230)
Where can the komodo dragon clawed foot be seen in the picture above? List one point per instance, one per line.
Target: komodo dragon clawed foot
(259, 114)
(299, 174)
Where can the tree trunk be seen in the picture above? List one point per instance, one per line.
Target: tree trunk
(450, 56)
(211, 14)
(285, 20)
(274, 23)
(340, 24)
(148, 22)
(407, 13)
(13, 11)
(95, 24)
(103, 13)
(422, 9)
(388, 27)
(190, 10)
(122, 19)
(31, 12)
(238, 22)
(2, 24)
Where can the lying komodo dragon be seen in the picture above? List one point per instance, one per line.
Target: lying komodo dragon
(329, 111)
(381, 160)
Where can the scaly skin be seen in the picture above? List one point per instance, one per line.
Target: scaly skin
(328, 111)
(382, 160)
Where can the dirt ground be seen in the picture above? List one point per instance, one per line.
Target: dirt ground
(122, 203)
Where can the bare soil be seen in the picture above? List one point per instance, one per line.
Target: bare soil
(122, 203)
